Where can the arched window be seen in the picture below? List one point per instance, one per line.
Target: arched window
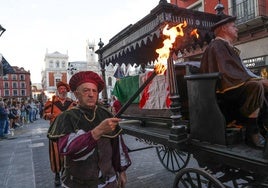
(109, 81)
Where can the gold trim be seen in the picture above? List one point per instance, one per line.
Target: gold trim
(94, 115)
(112, 136)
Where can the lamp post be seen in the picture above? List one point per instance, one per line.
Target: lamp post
(71, 70)
(2, 30)
(102, 65)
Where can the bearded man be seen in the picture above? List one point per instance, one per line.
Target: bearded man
(59, 103)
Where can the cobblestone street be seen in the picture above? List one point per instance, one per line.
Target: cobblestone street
(25, 163)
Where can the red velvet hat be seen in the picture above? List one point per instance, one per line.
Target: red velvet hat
(60, 83)
(223, 19)
(84, 77)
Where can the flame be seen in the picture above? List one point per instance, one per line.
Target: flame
(49, 95)
(195, 33)
(164, 52)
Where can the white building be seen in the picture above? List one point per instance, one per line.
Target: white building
(55, 70)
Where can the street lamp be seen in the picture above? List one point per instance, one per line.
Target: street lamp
(102, 65)
(2, 30)
(71, 69)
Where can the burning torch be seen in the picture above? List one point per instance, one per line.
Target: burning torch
(161, 65)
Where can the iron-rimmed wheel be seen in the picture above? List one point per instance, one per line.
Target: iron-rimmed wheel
(196, 178)
(172, 159)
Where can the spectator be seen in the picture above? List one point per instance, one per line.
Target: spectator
(3, 119)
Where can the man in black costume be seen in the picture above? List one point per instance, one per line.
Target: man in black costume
(238, 85)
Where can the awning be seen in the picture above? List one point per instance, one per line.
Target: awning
(5, 67)
(137, 43)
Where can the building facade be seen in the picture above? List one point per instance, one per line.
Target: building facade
(16, 86)
(252, 23)
(55, 70)
(59, 68)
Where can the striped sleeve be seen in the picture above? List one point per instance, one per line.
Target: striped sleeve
(78, 146)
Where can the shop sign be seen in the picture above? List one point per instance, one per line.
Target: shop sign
(254, 62)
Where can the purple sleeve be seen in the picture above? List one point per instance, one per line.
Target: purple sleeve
(77, 145)
(121, 159)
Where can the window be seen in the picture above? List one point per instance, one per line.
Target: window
(198, 7)
(22, 92)
(15, 92)
(51, 64)
(6, 92)
(243, 9)
(109, 81)
(22, 77)
(63, 64)
(22, 85)
(14, 77)
(5, 77)
(6, 85)
(57, 64)
(57, 80)
(14, 85)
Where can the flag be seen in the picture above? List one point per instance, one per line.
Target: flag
(5, 67)
(154, 96)
(125, 88)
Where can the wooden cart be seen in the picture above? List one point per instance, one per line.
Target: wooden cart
(195, 126)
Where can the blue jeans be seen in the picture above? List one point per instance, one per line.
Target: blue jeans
(2, 126)
(6, 127)
(31, 115)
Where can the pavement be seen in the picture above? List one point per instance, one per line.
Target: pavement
(23, 157)
(24, 161)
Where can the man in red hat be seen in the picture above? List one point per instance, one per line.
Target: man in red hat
(90, 141)
(238, 85)
(59, 103)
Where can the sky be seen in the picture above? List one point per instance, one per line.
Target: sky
(36, 26)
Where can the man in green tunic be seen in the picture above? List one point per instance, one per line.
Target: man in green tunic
(88, 137)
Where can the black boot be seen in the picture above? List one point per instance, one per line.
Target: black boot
(253, 136)
(57, 181)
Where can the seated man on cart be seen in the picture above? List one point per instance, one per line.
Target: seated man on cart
(238, 85)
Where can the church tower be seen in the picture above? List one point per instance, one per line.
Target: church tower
(91, 57)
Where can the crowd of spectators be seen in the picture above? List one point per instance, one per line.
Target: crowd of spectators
(17, 114)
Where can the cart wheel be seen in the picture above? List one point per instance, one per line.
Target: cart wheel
(196, 178)
(172, 159)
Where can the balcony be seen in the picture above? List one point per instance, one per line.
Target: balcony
(249, 10)
(252, 17)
